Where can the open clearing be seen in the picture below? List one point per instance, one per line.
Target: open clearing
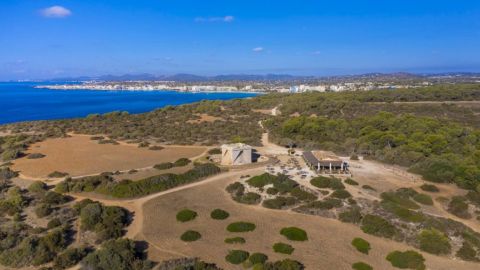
(328, 246)
(78, 156)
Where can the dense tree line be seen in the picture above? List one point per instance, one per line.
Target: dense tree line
(440, 151)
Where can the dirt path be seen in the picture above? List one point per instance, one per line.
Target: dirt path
(136, 205)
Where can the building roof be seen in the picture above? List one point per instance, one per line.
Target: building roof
(310, 158)
(237, 146)
(313, 160)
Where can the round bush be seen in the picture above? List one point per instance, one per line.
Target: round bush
(294, 234)
(429, 188)
(190, 236)
(258, 258)
(361, 266)
(361, 245)
(186, 215)
(341, 194)
(43, 210)
(219, 214)
(237, 256)
(423, 199)
(241, 227)
(283, 248)
(434, 241)
(54, 223)
(37, 187)
(350, 181)
(235, 240)
(409, 259)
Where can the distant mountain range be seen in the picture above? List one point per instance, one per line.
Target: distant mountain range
(184, 77)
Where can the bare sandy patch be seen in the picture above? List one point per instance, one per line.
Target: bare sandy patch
(78, 156)
(204, 118)
(328, 246)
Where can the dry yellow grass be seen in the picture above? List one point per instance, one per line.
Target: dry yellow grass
(78, 155)
(328, 246)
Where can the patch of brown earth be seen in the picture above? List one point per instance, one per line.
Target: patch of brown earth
(78, 156)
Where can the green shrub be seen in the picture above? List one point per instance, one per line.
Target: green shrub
(302, 195)
(55, 198)
(433, 241)
(399, 199)
(279, 202)
(361, 266)
(235, 240)
(69, 258)
(106, 221)
(423, 199)
(262, 180)
(368, 187)
(294, 234)
(378, 226)
(256, 258)
(215, 151)
(467, 252)
(283, 248)
(236, 188)
(285, 264)
(272, 191)
(350, 181)
(327, 204)
(186, 215)
(163, 166)
(361, 245)
(327, 182)
(37, 187)
(406, 260)
(54, 223)
(241, 227)
(120, 254)
(190, 236)
(43, 210)
(219, 214)
(57, 174)
(429, 188)
(403, 213)
(182, 162)
(341, 194)
(237, 256)
(35, 156)
(351, 215)
(248, 198)
(459, 207)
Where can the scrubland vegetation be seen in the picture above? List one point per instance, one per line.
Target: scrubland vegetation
(25, 244)
(107, 185)
(438, 141)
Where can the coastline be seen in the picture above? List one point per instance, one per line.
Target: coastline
(147, 89)
(158, 90)
(26, 102)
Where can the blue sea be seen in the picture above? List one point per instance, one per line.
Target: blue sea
(23, 102)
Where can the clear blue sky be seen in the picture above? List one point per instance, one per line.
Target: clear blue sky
(92, 37)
